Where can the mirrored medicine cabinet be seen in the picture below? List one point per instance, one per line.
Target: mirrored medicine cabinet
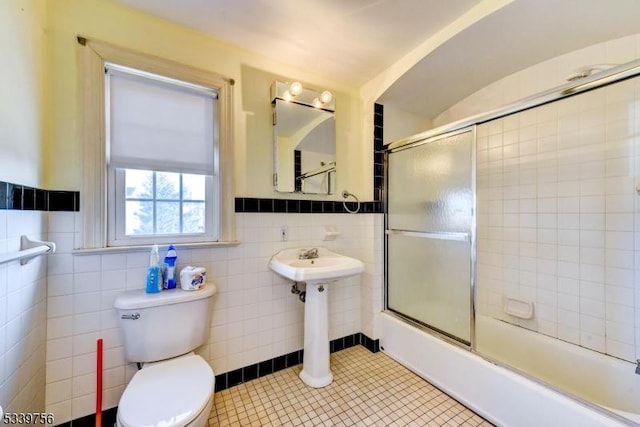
(304, 139)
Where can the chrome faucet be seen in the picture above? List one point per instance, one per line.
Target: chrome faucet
(638, 366)
(308, 253)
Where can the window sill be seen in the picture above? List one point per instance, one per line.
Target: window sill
(146, 248)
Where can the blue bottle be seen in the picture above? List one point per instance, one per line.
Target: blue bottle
(154, 272)
(170, 268)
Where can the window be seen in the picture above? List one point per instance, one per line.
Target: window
(158, 159)
(161, 159)
(162, 203)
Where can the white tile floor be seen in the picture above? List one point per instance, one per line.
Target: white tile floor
(369, 389)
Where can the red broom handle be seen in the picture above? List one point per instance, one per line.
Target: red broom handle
(99, 384)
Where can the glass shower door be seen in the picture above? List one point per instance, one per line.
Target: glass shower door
(429, 233)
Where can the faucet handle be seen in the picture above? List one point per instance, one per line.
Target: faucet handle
(308, 253)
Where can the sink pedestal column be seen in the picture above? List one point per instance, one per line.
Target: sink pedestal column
(315, 366)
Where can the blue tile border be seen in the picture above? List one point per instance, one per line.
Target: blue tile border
(259, 205)
(378, 151)
(22, 197)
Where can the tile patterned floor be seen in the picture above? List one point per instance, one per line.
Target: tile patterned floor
(368, 390)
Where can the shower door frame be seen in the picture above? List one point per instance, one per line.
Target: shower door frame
(472, 237)
(595, 81)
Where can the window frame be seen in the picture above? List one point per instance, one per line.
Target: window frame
(96, 210)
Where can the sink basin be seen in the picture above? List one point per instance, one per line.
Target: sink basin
(328, 265)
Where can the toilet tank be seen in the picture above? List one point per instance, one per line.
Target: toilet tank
(163, 325)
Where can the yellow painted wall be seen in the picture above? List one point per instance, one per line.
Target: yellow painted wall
(254, 73)
(22, 90)
(399, 124)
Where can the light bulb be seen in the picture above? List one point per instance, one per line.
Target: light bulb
(317, 103)
(326, 97)
(295, 88)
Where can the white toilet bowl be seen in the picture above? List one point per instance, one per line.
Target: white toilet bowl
(175, 392)
(175, 387)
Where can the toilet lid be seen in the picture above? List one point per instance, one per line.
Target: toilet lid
(170, 393)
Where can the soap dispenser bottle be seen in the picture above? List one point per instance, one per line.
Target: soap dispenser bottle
(170, 268)
(154, 272)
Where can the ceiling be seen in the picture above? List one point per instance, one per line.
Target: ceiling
(515, 37)
(353, 41)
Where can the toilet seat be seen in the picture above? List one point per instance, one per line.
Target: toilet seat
(169, 393)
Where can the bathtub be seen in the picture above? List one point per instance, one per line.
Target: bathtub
(587, 374)
(507, 398)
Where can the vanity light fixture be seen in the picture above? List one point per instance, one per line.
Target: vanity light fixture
(295, 89)
(324, 98)
(296, 92)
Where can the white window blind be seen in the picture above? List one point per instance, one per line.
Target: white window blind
(159, 124)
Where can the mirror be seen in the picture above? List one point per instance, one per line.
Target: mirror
(304, 139)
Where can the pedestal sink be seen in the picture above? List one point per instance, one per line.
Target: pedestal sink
(316, 267)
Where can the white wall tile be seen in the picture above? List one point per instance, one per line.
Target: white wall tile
(58, 391)
(60, 264)
(61, 284)
(83, 405)
(59, 348)
(60, 306)
(59, 370)
(86, 302)
(86, 263)
(86, 322)
(23, 315)
(61, 222)
(574, 226)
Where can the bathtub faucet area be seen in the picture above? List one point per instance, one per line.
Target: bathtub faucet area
(637, 366)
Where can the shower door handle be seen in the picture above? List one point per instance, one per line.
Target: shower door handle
(442, 235)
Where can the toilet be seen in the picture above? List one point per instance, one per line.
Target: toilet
(175, 386)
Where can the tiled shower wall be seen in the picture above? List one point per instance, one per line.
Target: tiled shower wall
(558, 221)
(255, 317)
(22, 315)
